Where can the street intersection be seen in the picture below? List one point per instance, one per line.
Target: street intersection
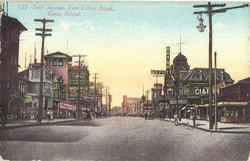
(121, 139)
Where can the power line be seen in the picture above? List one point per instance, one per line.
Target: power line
(43, 34)
(79, 85)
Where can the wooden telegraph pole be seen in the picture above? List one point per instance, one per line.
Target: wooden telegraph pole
(95, 101)
(210, 12)
(79, 86)
(215, 90)
(43, 34)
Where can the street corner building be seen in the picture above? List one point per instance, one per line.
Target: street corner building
(10, 30)
(187, 90)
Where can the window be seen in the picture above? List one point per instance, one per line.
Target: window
(35, 74)
(54, 62)
(61, 62)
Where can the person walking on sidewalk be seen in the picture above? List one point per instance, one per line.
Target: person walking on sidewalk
(194, 118)
(2, 116)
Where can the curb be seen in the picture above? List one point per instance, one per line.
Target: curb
(188, 125)
(211, 131)
(36, 124)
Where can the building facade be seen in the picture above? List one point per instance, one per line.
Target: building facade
(10, 30)
(78, 76)
(59, 64)
(184, 86)
(131, 105)
(32, 87)
(234, 102)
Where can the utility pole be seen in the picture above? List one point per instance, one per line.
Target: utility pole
(95, 101)
(79, 86)
(107, 98)
(215, 91)
(147, 95)
(43, 34)
(101, 100)
(210, 12)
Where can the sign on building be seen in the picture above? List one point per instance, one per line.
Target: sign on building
(167, 57)
(201, 91)
(158, 72)
(1, 12)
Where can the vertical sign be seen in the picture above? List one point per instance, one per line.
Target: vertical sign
(1, 12)
(167, 57)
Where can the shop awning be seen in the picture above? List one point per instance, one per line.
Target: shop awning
(222, 104)
(27, 99)
(67, 106)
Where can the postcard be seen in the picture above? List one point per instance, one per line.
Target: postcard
(124, 80)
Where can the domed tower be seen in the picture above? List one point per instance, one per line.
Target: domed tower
(179, 64)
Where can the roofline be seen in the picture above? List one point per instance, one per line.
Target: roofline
(58, 52)
(14, 20)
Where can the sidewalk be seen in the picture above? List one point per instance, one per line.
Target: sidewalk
(26, 123)
(222, 127)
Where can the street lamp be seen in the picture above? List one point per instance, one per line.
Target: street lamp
(210, 12)
(201, 27)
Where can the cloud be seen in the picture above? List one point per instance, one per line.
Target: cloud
(68, 25)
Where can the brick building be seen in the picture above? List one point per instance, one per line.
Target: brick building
(10, 30)
(59, 64)
(131, 104)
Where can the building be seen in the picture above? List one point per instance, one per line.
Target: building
(79, 79)
(10, 30)
(195, 87)
(131, 105)
(184, 86)
(32, 92)
(29, 110)
(157, 96)
(239, 91)
(59, 64)
(99, 96)
(234, 102)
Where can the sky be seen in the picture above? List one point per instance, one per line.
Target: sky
(123, 41)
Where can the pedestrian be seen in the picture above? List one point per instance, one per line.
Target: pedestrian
(194, 118)
(2, 116)
(146, 115)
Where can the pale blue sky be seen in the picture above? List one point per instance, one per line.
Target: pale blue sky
(124, 44)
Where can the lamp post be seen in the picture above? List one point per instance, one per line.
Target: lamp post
(210, 12)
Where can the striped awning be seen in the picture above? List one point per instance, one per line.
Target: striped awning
(221, 104)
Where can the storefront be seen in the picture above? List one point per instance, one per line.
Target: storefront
(228, 112)
(67, 110)
(202, 112)
(234, 112)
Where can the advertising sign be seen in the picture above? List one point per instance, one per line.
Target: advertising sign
(201, 91)
(158, 72)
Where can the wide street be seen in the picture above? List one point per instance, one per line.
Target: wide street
(122, 139)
